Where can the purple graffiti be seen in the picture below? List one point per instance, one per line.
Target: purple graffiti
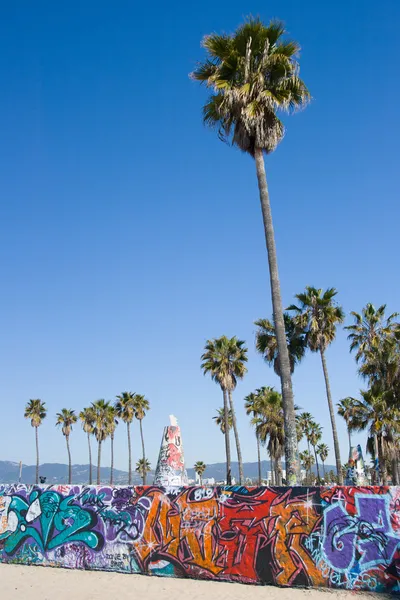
(366, 536)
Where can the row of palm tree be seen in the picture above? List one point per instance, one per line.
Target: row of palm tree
(309, 325)
(100, 420)
(312, 324)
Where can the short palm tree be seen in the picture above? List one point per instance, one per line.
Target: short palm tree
(267, 344)
(347, 409)
(143, 467)
(370, 329)
(319, 315)
(100, 422)
(269, 426)
(87, 419)
(125, 408)
(66, 419)
(141, 405)
(200, 467)
(372, 413)
(35, 410)
(111, 425)
(305, 423)
(220, 419)
(307, 460)
(253, 76)
(315, 437)
(323, 451)
(224, 359)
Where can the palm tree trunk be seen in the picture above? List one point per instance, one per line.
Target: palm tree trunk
(98, 463)
(90, 460)
(112, 461)
(143, 452)
(382, 461)
(37, 455)
(394, 471)
(69, 461)
(291, 450)
(316, 462)
(323, 469)
(128, 429)
(333, 421)
(271, 462)
(376, 460)
(235, 430)
(279, 470)
(349, 432)
(259, 460)
(227, 440)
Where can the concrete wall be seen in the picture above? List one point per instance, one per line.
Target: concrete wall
(333, 537)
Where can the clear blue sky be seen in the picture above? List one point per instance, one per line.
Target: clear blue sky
(130, 234)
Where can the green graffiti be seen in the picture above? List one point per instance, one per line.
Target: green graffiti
(50, 521)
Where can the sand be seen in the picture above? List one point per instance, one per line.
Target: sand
(44, 583)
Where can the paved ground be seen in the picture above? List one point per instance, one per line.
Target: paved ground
(44, 583)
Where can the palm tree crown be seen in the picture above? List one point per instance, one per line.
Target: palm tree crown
(143, 467)
(319, 316)
(220, 421)
(36, 411)
(200, 467)
(125, 407)
(370, 329)
(66, 419)
(224, 360)
(253, 74)
(267, 344)
(140, 406)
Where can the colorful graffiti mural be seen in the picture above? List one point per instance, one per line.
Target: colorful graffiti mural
(341, 537)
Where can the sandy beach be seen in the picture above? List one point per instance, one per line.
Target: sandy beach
(45, 583)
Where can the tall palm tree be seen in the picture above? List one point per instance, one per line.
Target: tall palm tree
(252, 405)
(347, 409)
(220, 419)
(315, 437)
(125, 408)
(267, 343)
(253, 75)
(307, 460)
(370, 328)
(111, 425)
(141, 405)
(66, 419)
(224, 359)
(100, 412)
(35, 410)
(319, 315)
(323, 451)
(200, 467)
(87, 419)
(143, 467)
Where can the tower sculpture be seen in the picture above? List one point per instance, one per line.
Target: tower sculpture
(171, 463)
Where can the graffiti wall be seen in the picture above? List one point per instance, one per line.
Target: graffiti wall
(334, 537)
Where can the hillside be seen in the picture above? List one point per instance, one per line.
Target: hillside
(58, 473)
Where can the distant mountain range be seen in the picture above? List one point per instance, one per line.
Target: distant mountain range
(58, 473)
